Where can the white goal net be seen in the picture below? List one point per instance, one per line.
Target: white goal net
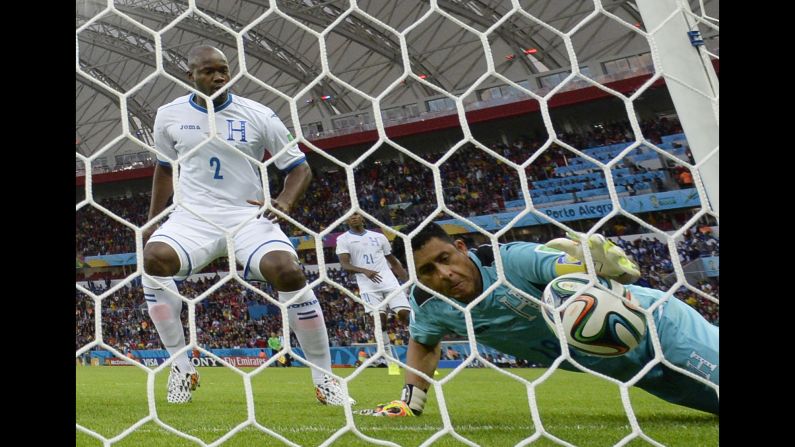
(338, 70)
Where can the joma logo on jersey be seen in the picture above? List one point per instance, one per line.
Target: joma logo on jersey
(190, 127)
(241, 128)
(304, 304)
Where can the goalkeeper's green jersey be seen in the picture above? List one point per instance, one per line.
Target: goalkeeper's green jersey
(513, 324)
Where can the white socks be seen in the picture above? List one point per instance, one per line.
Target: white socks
(306, 320)
(165, 309)
(387, 346)
(305, 317)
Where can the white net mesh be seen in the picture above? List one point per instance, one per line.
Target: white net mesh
(480, 34)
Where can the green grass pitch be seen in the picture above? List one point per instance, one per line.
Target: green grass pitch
(485, 406)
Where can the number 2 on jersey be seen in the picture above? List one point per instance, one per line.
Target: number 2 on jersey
(215, 161)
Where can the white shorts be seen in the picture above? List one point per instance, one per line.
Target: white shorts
(398, 302)
(198, 242)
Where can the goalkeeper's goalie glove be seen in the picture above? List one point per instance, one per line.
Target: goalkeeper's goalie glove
(411, 403)
(396, 408)
(609, 259)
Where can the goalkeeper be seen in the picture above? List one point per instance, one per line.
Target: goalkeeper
(510, 323)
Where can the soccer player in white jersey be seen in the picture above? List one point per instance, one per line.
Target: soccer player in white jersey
(219, 184)
(369, 255)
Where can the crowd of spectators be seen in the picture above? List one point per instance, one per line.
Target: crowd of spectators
(223, 319)
(401, 192)
(99, 234)
(395, 192)
(657, 270)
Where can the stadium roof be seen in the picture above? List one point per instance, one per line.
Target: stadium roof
(116, 54)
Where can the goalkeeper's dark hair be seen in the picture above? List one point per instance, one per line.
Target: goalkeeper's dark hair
(432, 230)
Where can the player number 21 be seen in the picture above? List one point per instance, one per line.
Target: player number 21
(215, 161)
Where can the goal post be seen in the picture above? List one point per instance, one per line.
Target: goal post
(691, 80)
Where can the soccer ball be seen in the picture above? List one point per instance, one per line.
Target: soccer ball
(597, 322)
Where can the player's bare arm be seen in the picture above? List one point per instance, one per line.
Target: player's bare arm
(295, 185)
(345, 262)
(162, 189)
(424, 358)
(397, 268)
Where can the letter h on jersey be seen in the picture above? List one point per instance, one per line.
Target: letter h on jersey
(232, 130)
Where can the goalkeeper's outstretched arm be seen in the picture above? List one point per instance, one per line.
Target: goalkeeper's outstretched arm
(423, 358)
